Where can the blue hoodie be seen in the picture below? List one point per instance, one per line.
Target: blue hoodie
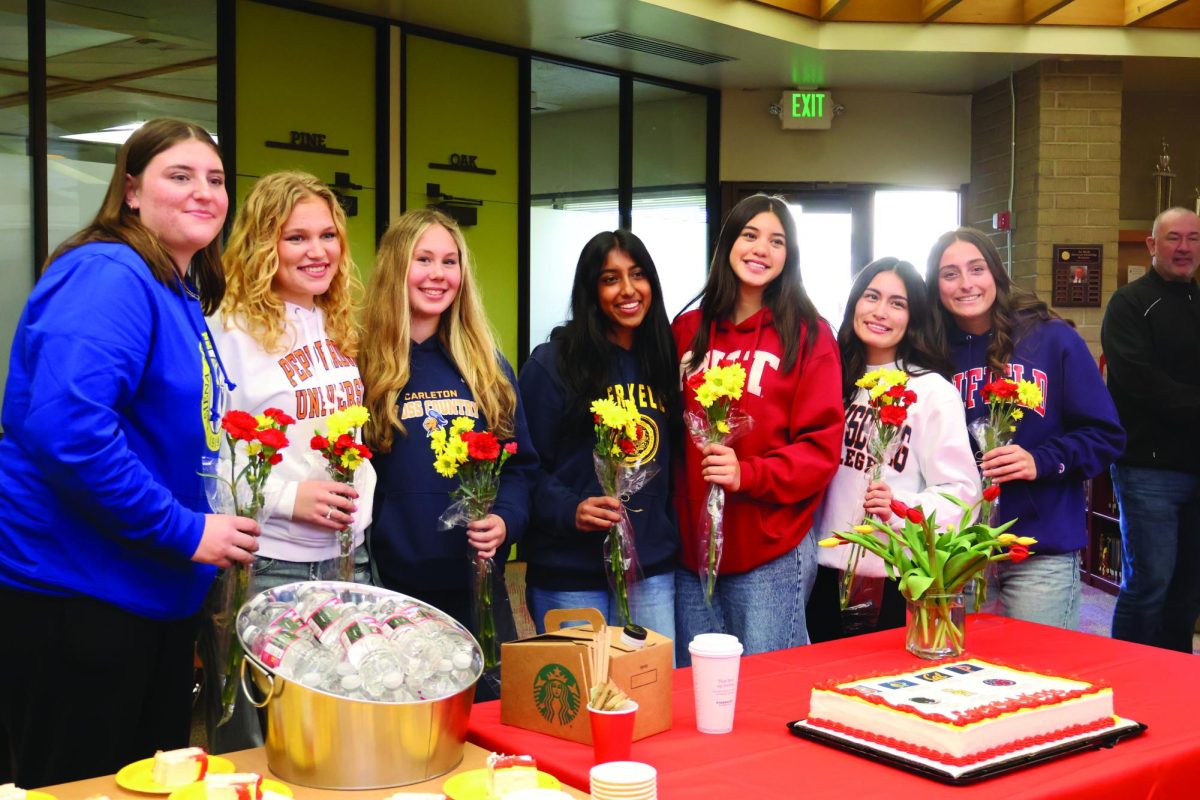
(410, 552)
(107, 415)
(560, 556)
(1073, 436)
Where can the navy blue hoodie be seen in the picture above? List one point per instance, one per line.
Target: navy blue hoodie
(560, 556)
(410, 552)
(1073, 436)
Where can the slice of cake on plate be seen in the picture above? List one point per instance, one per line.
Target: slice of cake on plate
(175, 768)
(233, 786)
(10, 791)
(510, 773)
(961, 712)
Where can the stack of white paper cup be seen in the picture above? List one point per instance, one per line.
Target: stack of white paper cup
(715, 661)
(624, 780)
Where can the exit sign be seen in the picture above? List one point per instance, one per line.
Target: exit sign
(806, 110)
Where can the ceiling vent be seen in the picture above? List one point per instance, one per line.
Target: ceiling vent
(656, 47)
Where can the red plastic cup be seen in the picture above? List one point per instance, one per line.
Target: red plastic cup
(612, 732)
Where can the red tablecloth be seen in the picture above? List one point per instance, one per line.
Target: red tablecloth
(760, 759)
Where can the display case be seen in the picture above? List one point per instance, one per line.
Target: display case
(1102, 558)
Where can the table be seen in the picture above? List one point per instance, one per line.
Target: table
(256, 761)
(761, 759)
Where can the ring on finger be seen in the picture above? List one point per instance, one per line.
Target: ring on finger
(329, 513)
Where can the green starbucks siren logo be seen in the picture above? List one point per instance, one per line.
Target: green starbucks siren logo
(556, 694)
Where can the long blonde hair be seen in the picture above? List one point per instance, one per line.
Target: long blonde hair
(463, 330)
(252, 258)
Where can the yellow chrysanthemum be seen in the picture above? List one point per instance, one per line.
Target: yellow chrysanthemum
(351, 459)
(357, 416)
(336, 425)
(1028, 394)
(1018, 414)
(612, 414)
(445, 465)
(722, 426)
(253, 448)
(437, 440)
(705, 395)
(869, 380)
(456, 449)
(461, 425)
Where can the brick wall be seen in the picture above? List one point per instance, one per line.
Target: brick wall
(1068, 171)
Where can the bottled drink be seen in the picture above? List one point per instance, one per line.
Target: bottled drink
(368, 650)
(293, 656)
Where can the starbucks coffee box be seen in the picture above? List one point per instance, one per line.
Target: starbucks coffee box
(544, 679)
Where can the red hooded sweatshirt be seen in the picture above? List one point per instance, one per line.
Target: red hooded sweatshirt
(787, 457)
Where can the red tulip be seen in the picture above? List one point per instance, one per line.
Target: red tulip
(899, 509)
(1018, 553)
(991, 493)
(915, 516)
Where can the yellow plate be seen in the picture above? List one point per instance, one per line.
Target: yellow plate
(30, 794)
(136, 776)
(472, 784)
(195, 791)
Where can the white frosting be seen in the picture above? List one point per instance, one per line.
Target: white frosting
(958, 690)
(178, 767)
(10, 791)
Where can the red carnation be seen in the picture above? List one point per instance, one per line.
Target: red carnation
(275, 459)
(344, 443)
(273, 438)
(482, 445)
(909, 397)
(596, 419)
(365, 451)
(991, 493)
(279, 417)
(915, 516)
(999, 390)
(626, 446)
(695, 380)
(511, 448)
(240, 425)
(895, 390)
(1018, 553)
(319, 443)
(893, 415)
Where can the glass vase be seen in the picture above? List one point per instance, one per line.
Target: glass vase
(936, 626)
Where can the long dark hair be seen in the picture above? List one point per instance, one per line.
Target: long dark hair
(583, 355)
(1015, 309)
(117, 222)
(790, 305)
(922, 348)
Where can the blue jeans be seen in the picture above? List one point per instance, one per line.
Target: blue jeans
(271, 572)
(763, 608)
(1159, 599)
(651, 603)
(1042, 588)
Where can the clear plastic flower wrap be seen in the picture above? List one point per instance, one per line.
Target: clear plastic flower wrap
(705, 431)
(620, 479)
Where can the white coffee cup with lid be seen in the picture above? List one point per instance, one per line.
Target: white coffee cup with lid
(716, 658)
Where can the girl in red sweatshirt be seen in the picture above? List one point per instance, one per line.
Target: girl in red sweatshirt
(754, 310)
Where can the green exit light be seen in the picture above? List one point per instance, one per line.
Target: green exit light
(808, 105)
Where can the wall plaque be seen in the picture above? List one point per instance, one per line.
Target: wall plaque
(1076, 275)
(462, 162)
(309, 143)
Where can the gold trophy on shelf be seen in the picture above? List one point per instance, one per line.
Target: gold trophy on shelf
(1163, 178)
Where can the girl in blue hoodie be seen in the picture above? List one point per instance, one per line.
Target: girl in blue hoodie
(996, 329)
(617, 344)
(429, 356)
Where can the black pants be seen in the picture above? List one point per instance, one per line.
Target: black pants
(824, 615)
(86, 688)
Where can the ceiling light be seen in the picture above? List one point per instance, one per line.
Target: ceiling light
(117, 134)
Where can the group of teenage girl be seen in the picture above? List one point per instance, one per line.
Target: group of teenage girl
(140, 332)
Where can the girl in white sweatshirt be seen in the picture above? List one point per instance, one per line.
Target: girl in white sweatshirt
(888, 323)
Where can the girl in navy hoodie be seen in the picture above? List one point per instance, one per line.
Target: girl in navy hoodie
(428, 356)
(997, 329)
(617, 344)
(754, 310)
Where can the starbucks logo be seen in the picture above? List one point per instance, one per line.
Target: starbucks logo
(556, 694)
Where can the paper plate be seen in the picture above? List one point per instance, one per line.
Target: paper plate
(136, 776)
(31, 794)
(472, 784)
(195, 791)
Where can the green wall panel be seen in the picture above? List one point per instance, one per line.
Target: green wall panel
(462, 100)
(303, 72)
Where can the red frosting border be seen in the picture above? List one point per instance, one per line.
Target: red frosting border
(990, 711)
(964, 761)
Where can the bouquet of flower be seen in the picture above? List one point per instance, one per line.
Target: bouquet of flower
(621, 474)
(1006, 401)
(239, 488)
(889, 399)
(475, 458)
(927, 562)
(716, 389)
(344, 454)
